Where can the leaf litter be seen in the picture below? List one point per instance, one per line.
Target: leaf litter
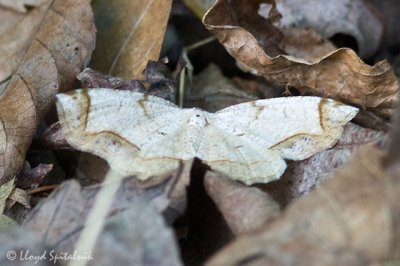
(340, 74)
(336, 207)
(47, 64)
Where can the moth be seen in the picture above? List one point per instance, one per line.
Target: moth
(147, 136)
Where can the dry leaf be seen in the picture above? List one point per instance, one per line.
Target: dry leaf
(90, 169)
(255, 42)
(147, 136)
(102, 203)
(244, 208)
(347, 17)
(175, 194)
(90, 78)
(54, 54)
(32, 178)
(69, 205)
(162, 83)
(5, 191)
(259, 84)
(168, 197)
(211, 91)
(305, 43)
(144, 228)
(16, 31)
(201, 220)
(304, 176)
(130, 34)
(372, 121)
(20, 196)
(349, 220)
(137, 236)
(53, 138)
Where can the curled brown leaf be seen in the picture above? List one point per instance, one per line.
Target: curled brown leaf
(340, 74)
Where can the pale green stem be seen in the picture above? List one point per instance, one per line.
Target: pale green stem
(96, 217)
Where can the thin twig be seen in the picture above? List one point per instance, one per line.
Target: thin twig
(41, 189)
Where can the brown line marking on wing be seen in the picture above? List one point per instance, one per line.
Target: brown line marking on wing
(259, 109)
(109, 132)
(294, 136)
(85, 94)
(321, 112)
(141, 102)
(235, 162)
(162, 158)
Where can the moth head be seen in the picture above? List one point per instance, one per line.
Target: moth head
(197, 119)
